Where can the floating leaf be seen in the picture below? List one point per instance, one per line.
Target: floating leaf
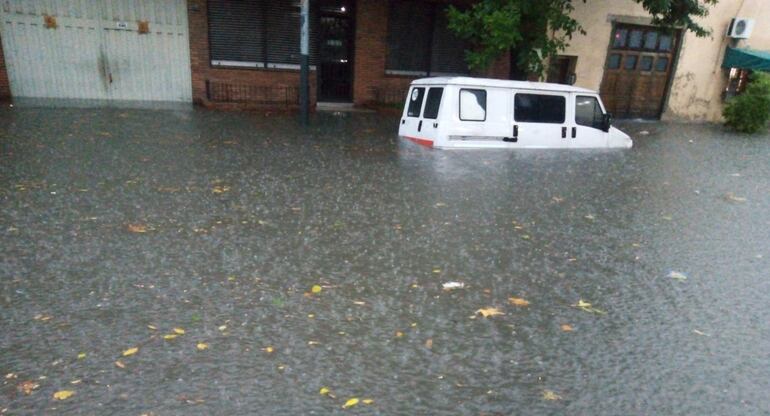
(324, 391)
(222, 327)
(453, 285)
(169, 337)
(429, 343)
(179, 331)
(316, 289)
(130, 351)
(550, 395)
(268, 350)
(677, 275)
(350, 403)
(518, 302)
(220, 189)
(152, 327)
(63, 394)
(399, 334)
(487, 312)
(27, 387)
(567, 328)
(588, 307)
(81, 356)
(120, 364)
(137, 228)
(367, 401)
(202, 346)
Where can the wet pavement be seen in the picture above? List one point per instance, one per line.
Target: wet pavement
(118, 226)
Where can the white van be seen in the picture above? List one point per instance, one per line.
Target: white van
(462, 112)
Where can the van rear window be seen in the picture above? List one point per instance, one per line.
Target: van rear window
(536, 108)
(432, 103)
(415, 102)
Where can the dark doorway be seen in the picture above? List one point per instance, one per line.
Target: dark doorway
(335, 51)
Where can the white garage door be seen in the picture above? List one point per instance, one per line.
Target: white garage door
(93, 49)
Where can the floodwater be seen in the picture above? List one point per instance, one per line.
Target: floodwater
(118, 226)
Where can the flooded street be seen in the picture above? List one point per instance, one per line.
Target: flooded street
(616, 282)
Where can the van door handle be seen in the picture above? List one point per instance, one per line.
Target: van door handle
(563, 132)
(515, 131)
(419, 126)
(435, 125)
(574, 132)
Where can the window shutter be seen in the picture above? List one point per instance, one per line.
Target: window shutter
(448, 51)
(235, 30)
(283, 32)
(409, 35)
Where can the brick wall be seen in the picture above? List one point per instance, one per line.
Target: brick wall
(371, 32)
(371, 50)
(203, 72)
(5, 88)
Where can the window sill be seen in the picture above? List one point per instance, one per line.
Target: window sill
(258, 66)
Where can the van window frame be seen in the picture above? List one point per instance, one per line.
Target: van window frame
(460, 104)
(599, 105)
(563, 96)
(410, 101)
(438, 108)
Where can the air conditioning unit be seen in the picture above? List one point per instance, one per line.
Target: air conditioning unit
(740, 28)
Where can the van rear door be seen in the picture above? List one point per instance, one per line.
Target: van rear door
(411, 124)
(539, 119)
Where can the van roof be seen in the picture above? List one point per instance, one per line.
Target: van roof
(500, 83)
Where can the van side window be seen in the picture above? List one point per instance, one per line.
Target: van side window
(432, 103)
(473, 105)
(588, 112)
(536, 108)
(415, 102)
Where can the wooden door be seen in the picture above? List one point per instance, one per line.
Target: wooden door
(637, 71)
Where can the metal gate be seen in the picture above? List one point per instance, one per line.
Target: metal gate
(636, 75)
(97, 49)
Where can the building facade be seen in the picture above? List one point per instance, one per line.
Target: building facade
(245, 53)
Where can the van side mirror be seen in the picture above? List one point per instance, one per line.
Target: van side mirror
(606, 122)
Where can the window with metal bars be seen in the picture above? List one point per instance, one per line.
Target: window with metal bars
(256, 33)
(420, 42)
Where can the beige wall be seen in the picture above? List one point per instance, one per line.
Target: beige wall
(696, 91)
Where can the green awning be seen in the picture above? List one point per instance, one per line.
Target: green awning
(746, 59)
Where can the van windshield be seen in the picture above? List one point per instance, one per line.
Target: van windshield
(415, 102)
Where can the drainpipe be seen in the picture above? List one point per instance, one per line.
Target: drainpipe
(304, 102)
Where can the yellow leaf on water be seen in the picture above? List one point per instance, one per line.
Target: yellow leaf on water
(518, 301)
(487, 312)
(169, 337)
(120, 364)
(222, 327)
(550, 395)
(202, 346)
(63, 394)
(269, 350)
(399, 334)
(567, 328)
(130, 351)
(350, 403)
(81, 356)
(179, 331)
(316, 289)
(367, 401)
(324, 391)
(137, 228)
(588, 307)
(152, 327)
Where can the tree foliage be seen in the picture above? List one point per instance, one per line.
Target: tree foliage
(750, 111)
(538, 29)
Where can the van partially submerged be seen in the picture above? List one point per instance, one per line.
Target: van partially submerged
(462, 112)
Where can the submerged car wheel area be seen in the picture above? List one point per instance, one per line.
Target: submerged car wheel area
(462, 112)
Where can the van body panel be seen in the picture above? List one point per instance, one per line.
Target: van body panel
(485, 113)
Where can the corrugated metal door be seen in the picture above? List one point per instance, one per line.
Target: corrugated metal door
(94, 49)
